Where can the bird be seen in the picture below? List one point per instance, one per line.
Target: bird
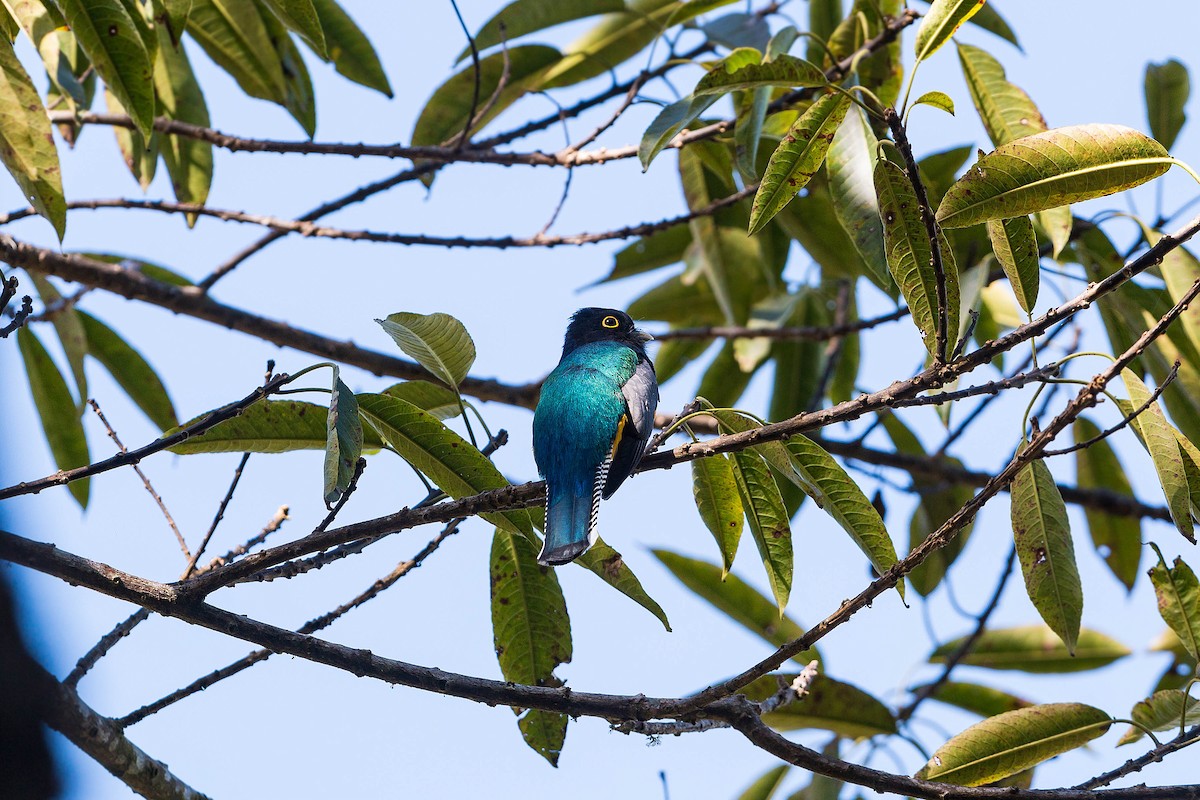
(591, 425)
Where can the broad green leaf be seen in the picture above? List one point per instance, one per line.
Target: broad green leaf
(736, 598)
(69, 327)
(987, 18)
(1057, 224)
(829, 705)
(659, 249)
(799, 363)
(1167, 88)
(1036, 649)
(56, 410)
(852, 187)
(978, 699)
(343, 440)
(1051, 169)
(350, 49)
(113, 43)
(1180, 270)
(1016, 249)
(785, 71)
(523, 17)
(444, 117)
(823, 19)
(268, 426)
(765, 786)
(797, 158)
(910, 256)
(1162, 711)
(451, 462)
(675, 354)
(1117, 538)
(747, 134)
(438, 342)
(141, 158)
(1159, 439)
(437, 400)
(531, 630)
(938, 100)
(26, 143)
(235, 36)
(130, 370)
(301, 16)
(298, 96)
(1042, 537)
(46, 28)
(940, 22)
(717, 498)
(669, 122)
(770, 313)
(682, 300)
(189, 161)
(1006, 111)
(610, 567)
(768, 519)
(938, 170)
(881, 71)
(725, 381)
(1179, 601)
(1014, 741)
(174, 13)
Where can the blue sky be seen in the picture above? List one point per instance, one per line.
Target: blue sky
(293, 728)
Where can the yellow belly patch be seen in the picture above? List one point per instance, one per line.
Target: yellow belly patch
(617, 438)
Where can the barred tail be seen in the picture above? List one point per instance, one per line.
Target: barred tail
(571, 521)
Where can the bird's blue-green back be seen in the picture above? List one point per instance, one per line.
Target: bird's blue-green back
(577, 416)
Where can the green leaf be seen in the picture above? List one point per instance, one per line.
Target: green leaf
(651, 252)
(301, 16)
(113, 43)
(268, 426)
(1042, 537)
(437, 400)
(765, 786)
(1016, 249)
(298, 91)
(1159, 439)
(988, 18)
(438, 342)
(852, 187)
(982, 700)
(799, 363)
(747, 133)
(1050, 169)
(610, 567)
(172, 15)
(669, 122)
(938, 170)
(444, 117)
(350, 49)
(1036, 649)
(1167, 88)
(69, 327)
(1162, 711)
(736, 598)
(1179, 601)
(523, 17)
(26, 143)
(829, 705)
(768, 519)
(189, 161)
(141, 158)
(1180, 270)
(56, 410)
(130, 370)
(1006, 111)
(940, 23)
(451, 462)
(1057, 224)
(1118, 538)
(234, 34)
(725, 381)
(531, 630)
(787, 71)
(343, 440)
(910, 257)
(56, 45)
(797, 158)
(1014, 741)
(717, 498)
(938, 100)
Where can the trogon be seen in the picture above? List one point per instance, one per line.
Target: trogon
(591, 426)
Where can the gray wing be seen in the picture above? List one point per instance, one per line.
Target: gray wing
(641, 401)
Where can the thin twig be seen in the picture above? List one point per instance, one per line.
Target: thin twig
(818, 333)
(462, 138)
(220, 515)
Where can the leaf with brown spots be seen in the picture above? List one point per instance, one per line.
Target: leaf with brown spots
(26, 143)
(608, 565)
(768, 518)
(716, 491)
(797, 158)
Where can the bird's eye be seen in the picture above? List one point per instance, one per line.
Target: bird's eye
(610, 322)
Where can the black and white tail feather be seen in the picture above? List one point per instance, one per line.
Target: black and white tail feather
(563, 517)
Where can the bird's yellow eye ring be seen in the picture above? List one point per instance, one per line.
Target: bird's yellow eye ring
(610, 322)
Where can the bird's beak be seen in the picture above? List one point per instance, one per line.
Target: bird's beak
(641, 334)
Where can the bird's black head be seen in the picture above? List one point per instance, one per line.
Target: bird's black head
(603, 324)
